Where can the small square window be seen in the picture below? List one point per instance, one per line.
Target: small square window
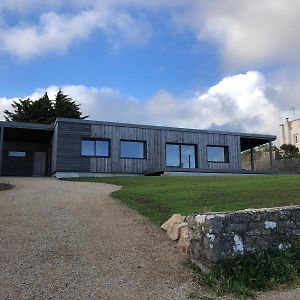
(102, 148)
(87, 148)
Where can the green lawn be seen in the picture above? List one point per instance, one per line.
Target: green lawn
(159, 197)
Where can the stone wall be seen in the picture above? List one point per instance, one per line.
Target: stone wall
(287, 165)
(262, 162)
(218, 236)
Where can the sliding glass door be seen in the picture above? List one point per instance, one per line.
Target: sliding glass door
(181, 155)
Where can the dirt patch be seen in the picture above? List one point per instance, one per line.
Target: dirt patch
(154, 205)
(160, 209)
(5, 186)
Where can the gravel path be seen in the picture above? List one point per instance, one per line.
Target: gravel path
(65, 240)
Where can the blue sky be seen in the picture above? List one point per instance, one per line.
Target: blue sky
(202, 64)
(172, 61)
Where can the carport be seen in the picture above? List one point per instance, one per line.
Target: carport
(25, 149)
(250, 142)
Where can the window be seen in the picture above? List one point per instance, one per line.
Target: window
(132, 149)
(99, 148)
(181, 155)
(296, 137)
(87, 148)
(217, 154)
(17, 154)
(173, 155)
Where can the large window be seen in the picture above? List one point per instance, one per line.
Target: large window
(217, 154)
(132, 149)
(181, 155)
(99, 148)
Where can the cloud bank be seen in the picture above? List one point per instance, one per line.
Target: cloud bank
(237, 103)
(247, 33)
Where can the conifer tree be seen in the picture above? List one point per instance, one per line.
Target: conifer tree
(44, 110)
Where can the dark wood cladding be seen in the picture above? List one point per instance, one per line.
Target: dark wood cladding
(66, 149)
(54, 150)
(1, 147)
(69, 159)
(17, 166)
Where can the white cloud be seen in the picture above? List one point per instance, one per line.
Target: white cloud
(53, 33)
(247, 32)
(237, 103)
(56, 32)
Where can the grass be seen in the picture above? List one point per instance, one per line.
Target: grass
(254, 272)
(159, 197)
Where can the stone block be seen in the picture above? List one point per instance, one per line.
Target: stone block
(176, 218)
(184, 241)
(174, 232)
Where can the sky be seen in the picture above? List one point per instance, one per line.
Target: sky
(208, 64)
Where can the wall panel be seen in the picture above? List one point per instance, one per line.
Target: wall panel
(70, 134)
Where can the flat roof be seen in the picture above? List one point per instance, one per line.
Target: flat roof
(23, 125)
(241, 134)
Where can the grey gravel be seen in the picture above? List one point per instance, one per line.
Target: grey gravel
(67, 240)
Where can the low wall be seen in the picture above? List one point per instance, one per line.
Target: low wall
(218, 236)
(262, 162)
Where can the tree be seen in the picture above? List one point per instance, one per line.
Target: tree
(44, 110)
(289, 151)
(64, 106)
(22, 111)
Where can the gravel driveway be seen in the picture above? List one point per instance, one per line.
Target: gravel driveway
(65, 240)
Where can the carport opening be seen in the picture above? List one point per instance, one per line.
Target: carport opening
(250, 160)
(26, 152)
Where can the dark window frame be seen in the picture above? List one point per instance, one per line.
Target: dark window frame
(180, 158)
(134, 141)
(96, 140)
(226, 154)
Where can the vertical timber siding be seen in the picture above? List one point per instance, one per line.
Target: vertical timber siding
(115, 164)
(1, 147)
(54, 150)
(69, 135)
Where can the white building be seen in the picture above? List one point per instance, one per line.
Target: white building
(290, 132)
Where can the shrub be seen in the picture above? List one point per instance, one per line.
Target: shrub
(254, 272)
